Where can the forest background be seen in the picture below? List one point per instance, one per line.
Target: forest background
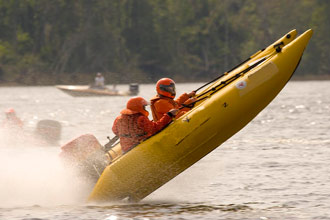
(47, 42)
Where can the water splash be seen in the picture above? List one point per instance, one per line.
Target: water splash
(32, 174)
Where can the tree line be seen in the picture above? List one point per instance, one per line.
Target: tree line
(45, 42)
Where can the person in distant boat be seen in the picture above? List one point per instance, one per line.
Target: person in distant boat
(12, 121)
(164, 100)
(133, 125)
(99, 81)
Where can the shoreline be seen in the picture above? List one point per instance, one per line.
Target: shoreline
(311, 77)
(324, 77)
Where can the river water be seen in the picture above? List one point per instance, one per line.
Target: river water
(277, 167)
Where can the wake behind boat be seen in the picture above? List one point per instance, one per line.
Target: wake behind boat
(86, 90)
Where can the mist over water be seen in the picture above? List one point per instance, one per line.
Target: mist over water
(277, 167)
(31, 171)
(35, 175)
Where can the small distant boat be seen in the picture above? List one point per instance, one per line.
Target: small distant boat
(86, 90)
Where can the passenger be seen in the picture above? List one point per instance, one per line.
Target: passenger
(164, 100)
(99, 81)
(133, 125)
(12, 121)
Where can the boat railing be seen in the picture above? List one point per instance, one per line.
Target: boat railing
(209, 92)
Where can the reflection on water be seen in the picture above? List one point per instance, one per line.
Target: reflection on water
(154, 210)
(129, 211)
(277, 167)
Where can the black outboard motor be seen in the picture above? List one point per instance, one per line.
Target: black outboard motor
(49, 131)
(133, 89)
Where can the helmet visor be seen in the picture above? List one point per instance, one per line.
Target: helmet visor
(168, 88)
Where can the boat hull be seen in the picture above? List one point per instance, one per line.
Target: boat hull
(189, 138)
(83, 91)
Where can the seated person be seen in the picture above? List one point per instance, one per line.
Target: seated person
(133, 125)
(164, 100)
(99, 81)
(12, 121)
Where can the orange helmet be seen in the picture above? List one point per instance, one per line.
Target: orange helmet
(136, 105)
(166, 87)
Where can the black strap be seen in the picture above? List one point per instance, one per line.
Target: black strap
(130, 136)
(224, 83)
(279, 44)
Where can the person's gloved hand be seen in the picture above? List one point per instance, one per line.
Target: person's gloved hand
(191, 94)
(189, 101)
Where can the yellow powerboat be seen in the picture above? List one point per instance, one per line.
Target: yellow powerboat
(224, 106)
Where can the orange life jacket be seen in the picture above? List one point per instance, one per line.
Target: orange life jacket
(160, 105)
(128, 130)
(134, 128)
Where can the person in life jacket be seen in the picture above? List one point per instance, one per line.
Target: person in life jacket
(133, 125)
(164, 100)
(12, 121)
(99, 81)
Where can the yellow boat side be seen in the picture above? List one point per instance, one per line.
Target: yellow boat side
(218, 117)
(284, 40)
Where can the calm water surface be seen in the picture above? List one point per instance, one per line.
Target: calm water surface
(277, 167)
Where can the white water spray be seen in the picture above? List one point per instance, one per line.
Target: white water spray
(31, 174)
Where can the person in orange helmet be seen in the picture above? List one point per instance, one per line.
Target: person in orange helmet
(164, 100)
(12, 121)
(133, 125)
